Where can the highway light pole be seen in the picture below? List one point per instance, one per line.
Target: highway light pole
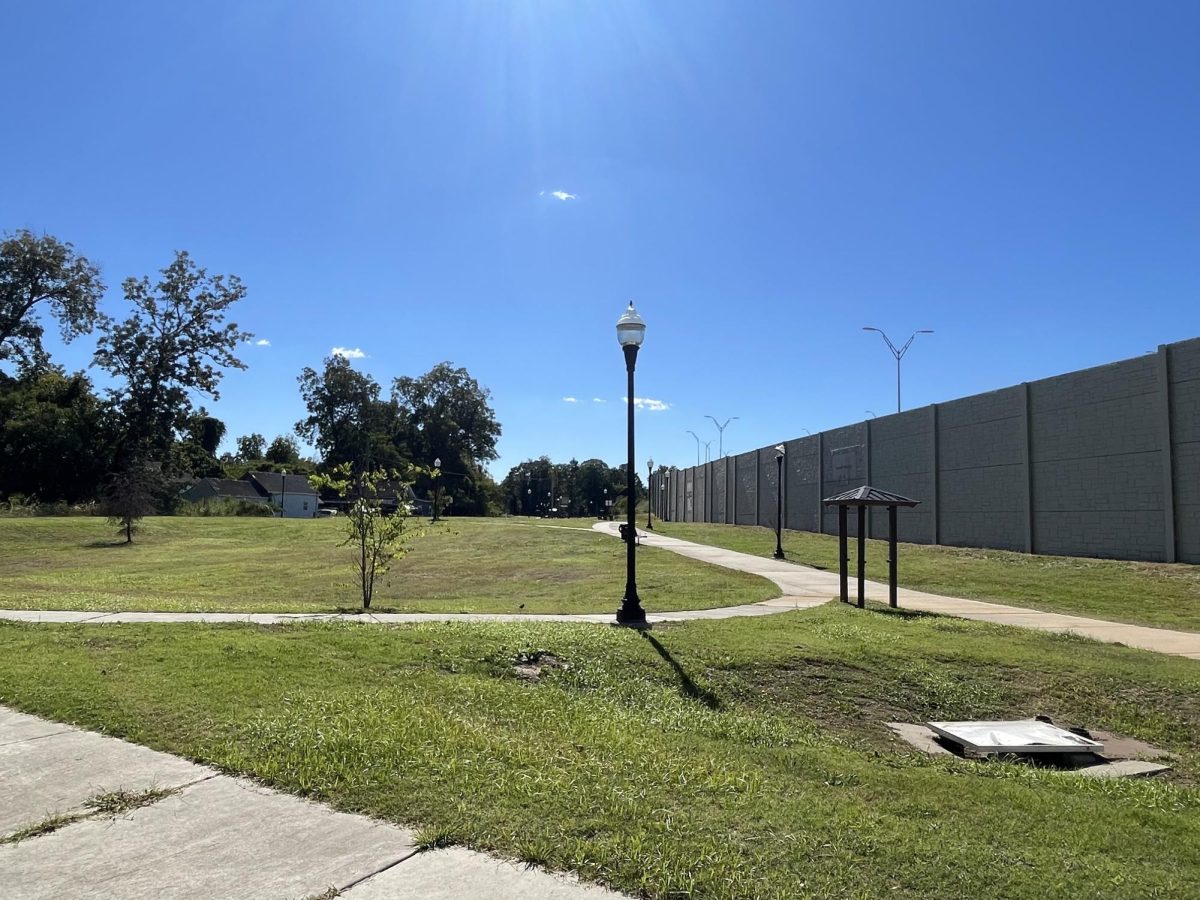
(721, 434)
(899, 354)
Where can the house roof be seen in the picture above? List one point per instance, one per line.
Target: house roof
(274, 483)
(868, 496)
(227, 487)
(386, 492)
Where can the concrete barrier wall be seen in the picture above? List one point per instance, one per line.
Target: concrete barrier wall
(1185, 447)
(1101, 462)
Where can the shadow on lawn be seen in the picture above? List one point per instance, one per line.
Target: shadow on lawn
(881, 609)
(690, 689)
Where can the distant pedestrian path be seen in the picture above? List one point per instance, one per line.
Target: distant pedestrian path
(802, 588)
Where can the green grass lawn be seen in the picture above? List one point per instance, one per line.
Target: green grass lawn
(278, 565)
(1158, 594)
(738, 759)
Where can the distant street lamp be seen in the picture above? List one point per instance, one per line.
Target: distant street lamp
(667, 502)
(697, 437)
(707, 444)
(899, 354)
(721, 432)
(869, 413)
(437, 486)
(649, 496)
(631, 331)
(607, 514)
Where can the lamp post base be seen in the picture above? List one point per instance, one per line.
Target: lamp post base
(778, 554)
(631, 613)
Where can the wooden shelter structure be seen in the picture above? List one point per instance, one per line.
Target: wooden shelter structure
(862, 498)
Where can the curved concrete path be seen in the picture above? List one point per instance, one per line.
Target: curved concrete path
(802, 588)
(803, 584)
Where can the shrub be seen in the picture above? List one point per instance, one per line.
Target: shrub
(223, 506)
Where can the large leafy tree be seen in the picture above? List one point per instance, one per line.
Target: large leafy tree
(43, 273)
(284, 451)
(176, 343)
(447, 415)
(347, 421)
(205, 430)
(53, 441)
(251, 447)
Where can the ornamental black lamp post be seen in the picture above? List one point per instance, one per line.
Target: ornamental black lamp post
(667, 501)
(649, 495)
(779, 454)
(631, 331)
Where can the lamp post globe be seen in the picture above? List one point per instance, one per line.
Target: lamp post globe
(631, 331)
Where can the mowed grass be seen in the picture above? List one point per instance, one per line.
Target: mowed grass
(737, 759)
(277, 565)
(1157, 594)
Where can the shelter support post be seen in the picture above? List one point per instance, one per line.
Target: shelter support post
(843, 555)
(892, 557)
(862, 557)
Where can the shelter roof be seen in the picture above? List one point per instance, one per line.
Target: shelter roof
(868, 496)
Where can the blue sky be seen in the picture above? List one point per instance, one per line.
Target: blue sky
(763, 179)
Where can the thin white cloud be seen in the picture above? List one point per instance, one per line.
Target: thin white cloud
(262, 342)
(569, 400)
(599, 400)
(563, 195)
(347, 353)
(647, 404)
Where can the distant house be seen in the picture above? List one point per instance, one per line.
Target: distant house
(291, 493)
(391, 496)
(223, 489)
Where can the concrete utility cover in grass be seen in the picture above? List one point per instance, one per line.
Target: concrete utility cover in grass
(223, 837)
(1020, 736)
(47, 768)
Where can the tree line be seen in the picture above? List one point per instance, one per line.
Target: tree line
(134, 443)
(539, 487)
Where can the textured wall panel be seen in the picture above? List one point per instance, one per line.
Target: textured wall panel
(747, 487)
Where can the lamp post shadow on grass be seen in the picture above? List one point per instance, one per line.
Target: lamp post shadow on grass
(690, 689)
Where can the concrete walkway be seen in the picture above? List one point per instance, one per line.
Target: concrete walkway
(802, 588)
(213, 835)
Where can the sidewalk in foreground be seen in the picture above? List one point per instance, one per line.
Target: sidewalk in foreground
(213, 835)
(802, 587)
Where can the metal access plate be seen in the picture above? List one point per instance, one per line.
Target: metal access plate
(1021, 736)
